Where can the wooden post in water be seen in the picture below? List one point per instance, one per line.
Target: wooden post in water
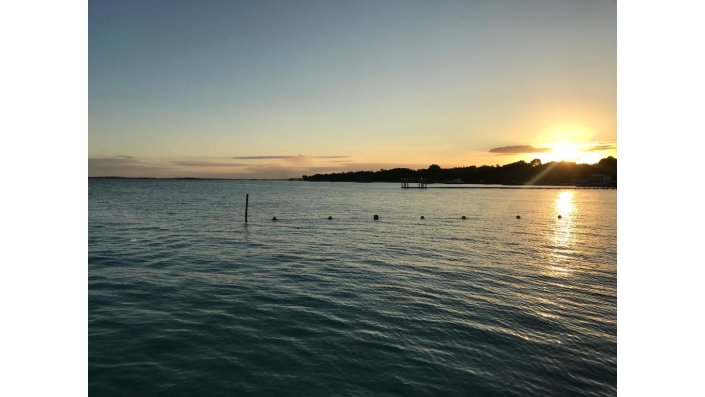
(247, 203)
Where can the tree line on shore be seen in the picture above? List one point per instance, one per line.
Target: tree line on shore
(603, 173)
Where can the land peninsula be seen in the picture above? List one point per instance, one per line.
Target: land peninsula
(602, 173)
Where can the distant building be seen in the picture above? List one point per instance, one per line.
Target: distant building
(598, 179)
(601, 179)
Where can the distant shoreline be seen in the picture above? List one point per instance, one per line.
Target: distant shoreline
(193, 179)
(442, 185)
(602, 174)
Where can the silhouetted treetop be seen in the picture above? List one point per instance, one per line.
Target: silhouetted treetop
(604, 173)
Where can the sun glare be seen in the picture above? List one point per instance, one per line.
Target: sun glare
(571, 143)
(572, 152)
(562, 151)
(564, 202)
(565, 151)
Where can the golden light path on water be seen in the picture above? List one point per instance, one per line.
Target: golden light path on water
(564, 202)
(562, 235)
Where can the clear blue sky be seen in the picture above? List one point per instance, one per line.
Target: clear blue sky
(283, 88)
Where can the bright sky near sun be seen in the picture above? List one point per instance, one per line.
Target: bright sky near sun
(278, 89)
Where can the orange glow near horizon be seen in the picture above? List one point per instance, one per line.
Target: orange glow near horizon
(565, 151)
(572, 152)
(573, 142)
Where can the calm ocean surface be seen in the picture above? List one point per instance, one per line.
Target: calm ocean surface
(184, 300)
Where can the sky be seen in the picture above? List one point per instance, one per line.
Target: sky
(279, 89)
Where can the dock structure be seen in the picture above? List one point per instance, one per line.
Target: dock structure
(421, 184)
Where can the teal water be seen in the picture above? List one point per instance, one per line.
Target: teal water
(184, 300)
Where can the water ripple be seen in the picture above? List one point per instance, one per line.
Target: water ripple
(186, 300)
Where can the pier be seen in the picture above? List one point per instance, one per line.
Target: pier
(529, 187)
(420, 184)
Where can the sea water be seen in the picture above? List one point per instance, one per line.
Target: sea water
(187, 300)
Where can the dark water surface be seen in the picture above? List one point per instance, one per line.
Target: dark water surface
(186, 301)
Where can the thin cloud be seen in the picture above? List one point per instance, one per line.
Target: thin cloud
(518, 149)
(300, 156)
(263, 157)
(113, 161)
(122, 166)
(598, 147)
(521, 149)
(296, 171)
(207, 164)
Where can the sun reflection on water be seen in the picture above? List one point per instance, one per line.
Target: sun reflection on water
(559, 265)
(564, 203)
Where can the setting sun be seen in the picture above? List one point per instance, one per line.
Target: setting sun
(565, 151)
(572, 152)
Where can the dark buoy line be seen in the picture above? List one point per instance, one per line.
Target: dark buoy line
(376, 217)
